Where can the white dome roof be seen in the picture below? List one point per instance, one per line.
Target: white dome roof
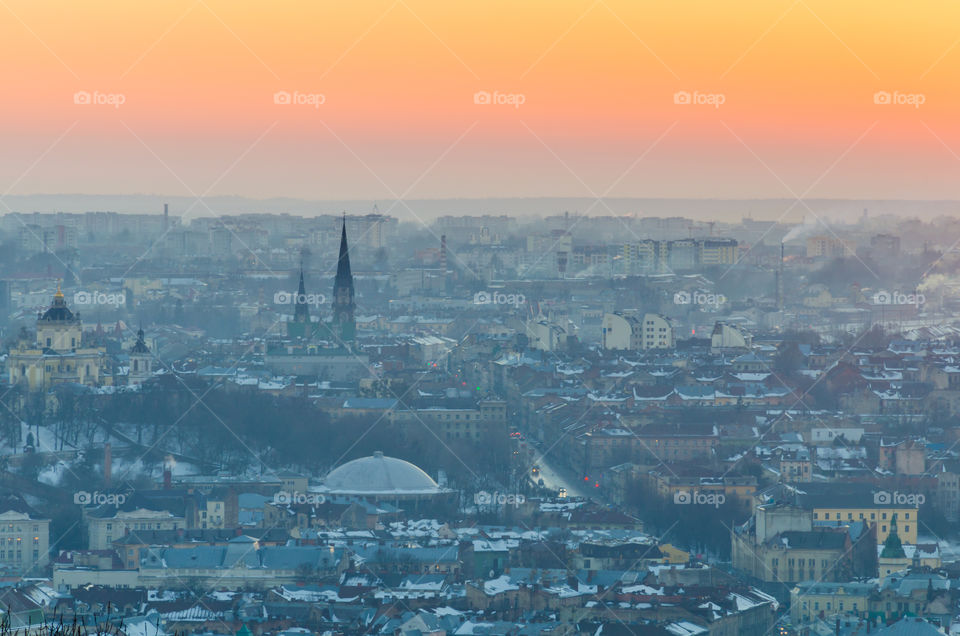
(379, 475)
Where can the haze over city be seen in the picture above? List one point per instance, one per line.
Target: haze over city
(419, 318)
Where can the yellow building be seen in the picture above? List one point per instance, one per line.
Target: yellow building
(58, 355)
(810, 600)
(669, 486)
(673, 555)
(717, 251)
(880, 515)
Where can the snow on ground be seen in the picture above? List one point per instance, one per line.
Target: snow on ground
(53, 475)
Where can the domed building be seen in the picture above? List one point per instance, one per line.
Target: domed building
(381, 478)
(58, 354)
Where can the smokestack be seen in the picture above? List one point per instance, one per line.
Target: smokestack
(443, 254)
(168, 462)
(107, 464)
(780, 281)
(166, 217)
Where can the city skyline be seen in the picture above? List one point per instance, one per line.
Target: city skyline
(420, 318)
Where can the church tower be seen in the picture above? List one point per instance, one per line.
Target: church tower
(344, 324)
(300, 326)
(141, 362)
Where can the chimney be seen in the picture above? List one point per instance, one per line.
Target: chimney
(168, 464)
(780, 281)
(166, 217)
(443, 254)
(107, 465)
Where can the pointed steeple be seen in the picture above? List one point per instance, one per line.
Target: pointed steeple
(892, 547)
(343, 261)
(140, 346)
(301, 310)
(343, 305)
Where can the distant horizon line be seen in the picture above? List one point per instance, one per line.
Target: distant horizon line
(491, 198)
(782, 210)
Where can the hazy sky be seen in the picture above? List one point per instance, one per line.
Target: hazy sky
(597, 81)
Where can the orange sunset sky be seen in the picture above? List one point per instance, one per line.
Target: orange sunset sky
(398, 77)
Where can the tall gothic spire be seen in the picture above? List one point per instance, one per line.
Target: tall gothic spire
(301, 312)
(343, 294)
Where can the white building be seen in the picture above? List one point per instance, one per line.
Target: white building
(103, 530)
(24, 541)
(629, 332)
(727, 337)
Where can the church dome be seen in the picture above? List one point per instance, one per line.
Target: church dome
(58, 311)
(379, 475)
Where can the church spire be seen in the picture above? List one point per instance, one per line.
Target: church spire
(892, 547)
(301, 312)
(343, 294)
